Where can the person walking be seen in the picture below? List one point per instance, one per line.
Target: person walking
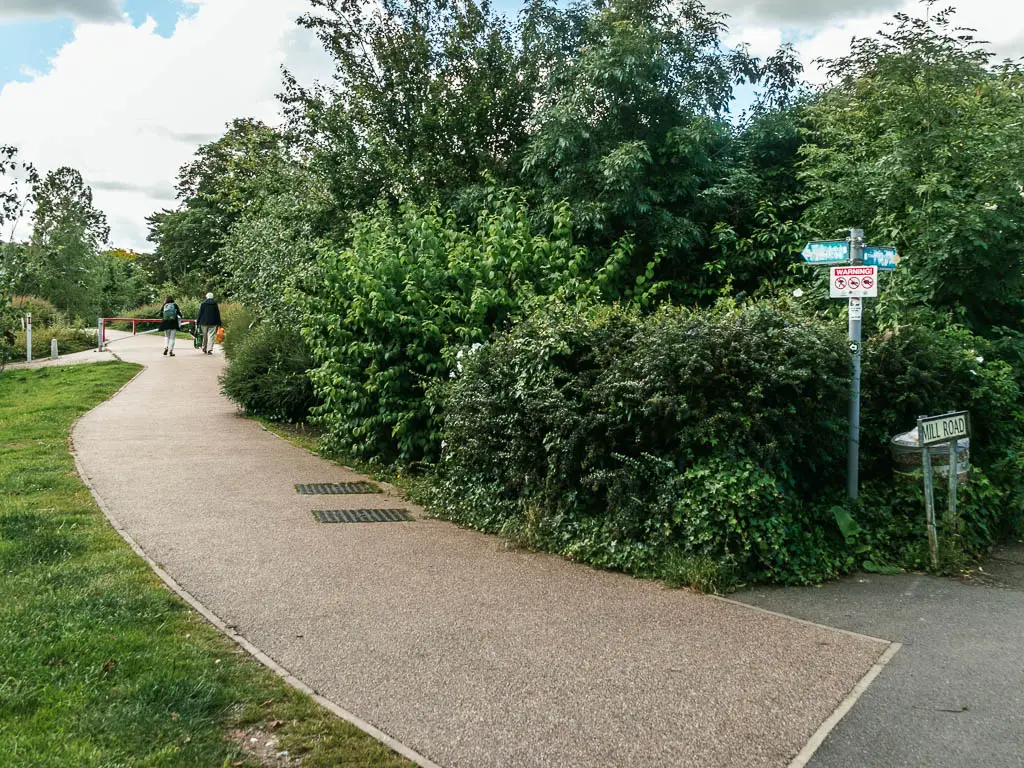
(208, 322)
(170, 324)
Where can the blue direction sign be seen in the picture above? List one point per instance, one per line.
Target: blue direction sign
(827, 252)
(883, 258)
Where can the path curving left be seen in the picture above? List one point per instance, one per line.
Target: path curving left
(467, 653)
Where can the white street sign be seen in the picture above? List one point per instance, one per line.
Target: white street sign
(847, 282)
(943, 429)
(856, 308)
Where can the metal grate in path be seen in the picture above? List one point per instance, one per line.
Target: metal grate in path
(337, 488)
(362, 515)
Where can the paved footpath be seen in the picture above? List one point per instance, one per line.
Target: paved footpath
(465, 652)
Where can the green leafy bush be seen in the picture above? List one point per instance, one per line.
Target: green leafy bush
(238, 324)
(631, 442)
(44, 314)
(267, 375)
(389, 314)
(69, 340)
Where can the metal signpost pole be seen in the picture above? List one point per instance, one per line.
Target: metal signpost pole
(929, 497)
(854, 283)
(951, 510)
(853, 447)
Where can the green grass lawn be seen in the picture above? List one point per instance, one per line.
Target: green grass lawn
(100, 665)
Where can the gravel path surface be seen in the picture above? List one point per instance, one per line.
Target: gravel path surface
(470, 654)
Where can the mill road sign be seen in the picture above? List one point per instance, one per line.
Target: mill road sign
(943, 429)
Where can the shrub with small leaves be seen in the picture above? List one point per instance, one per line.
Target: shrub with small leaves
(633, 441)
(267, 374)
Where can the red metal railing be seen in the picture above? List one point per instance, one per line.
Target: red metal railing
(101, 326)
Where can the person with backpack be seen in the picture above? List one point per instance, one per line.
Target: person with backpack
(170, 324)
(207, 323)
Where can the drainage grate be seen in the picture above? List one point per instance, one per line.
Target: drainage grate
(337, 488)
(361, 515)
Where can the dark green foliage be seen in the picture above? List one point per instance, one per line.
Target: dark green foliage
(920, 370)
(662, 444)
(623, 440)
(631, 131)
(428, 97)
(267, 375)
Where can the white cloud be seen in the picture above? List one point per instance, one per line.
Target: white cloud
(799, 13)
(94, 10)
(128, 107)
(825, 28)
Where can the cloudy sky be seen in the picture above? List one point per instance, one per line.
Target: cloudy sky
(125, 90)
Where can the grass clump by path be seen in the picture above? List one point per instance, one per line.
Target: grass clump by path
(100, 665)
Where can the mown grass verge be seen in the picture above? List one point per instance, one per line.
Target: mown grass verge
(100, 665)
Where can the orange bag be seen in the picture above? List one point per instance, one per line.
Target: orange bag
(220, 335)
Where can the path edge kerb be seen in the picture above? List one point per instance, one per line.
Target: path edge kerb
(805, 755)
(220, 624)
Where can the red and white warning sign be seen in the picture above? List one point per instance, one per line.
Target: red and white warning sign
(847, 282)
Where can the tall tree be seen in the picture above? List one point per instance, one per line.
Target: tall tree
(226, 179)
(632, 126)
(67, 233)
(918, 141)
(429, 97)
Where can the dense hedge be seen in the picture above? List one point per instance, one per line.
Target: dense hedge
(709, 446)
(918, 368)
(267, 367)
(266, 374)
(625, 440)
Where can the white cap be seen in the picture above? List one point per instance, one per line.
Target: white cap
(209, 295)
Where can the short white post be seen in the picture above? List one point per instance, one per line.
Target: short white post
(28, 337)
(99, 334)
(53, 349)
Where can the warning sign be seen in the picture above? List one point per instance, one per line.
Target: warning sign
(848, 282)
